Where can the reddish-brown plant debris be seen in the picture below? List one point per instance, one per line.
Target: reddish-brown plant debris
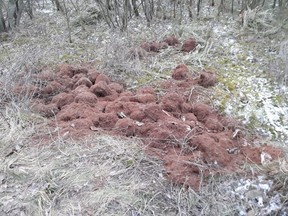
(190, 137)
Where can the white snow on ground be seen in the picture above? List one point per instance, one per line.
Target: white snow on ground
(253, 194)
(262, 97)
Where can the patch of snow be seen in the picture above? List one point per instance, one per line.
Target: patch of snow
(273, 206)
(253, 193)
(258, 91)
(46, 11)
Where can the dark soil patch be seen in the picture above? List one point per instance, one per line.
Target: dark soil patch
(191, 138)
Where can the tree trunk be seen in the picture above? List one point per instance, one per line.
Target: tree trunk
(2, 20)
(220, 8)
(148, 8)
(181, 12)
(15, 9)
(19, 10)
(126, 11)
(11, 14)
(67, 16)
(198, 7)
(29, 9)
(116, 13)
(174, 9)
(190, 9)
(135, 8)
(107, 15)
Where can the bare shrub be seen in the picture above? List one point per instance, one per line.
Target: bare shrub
(279, 64)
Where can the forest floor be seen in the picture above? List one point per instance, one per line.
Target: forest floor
(102, 127)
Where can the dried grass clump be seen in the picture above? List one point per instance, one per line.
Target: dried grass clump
(116, 58)
(104, 175)
(278, 65)
(257, 19)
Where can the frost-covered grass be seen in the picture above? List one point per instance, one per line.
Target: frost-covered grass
(246, 88)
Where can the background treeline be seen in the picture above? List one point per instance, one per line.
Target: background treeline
(118, 13)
